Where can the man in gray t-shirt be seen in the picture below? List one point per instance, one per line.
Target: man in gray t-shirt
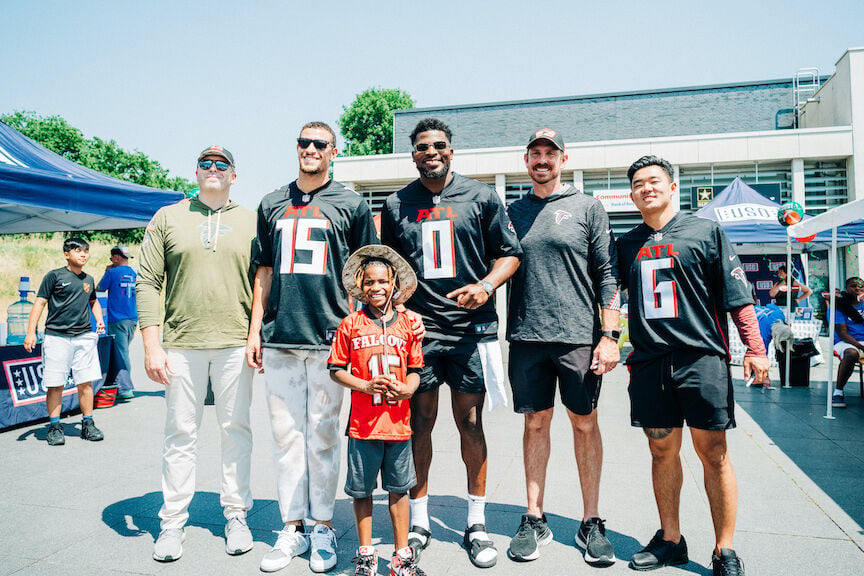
(562, 327)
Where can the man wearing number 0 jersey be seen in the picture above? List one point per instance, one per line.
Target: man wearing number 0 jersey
(306, 231)
(451, 229)
(683, 276)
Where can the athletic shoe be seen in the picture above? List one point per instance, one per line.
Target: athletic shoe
(56, 437)
(533, 532)
(169, 545)
(291, 542)
(323, 543)
(90, 432)
(238, 538)
(367, 564)
(419, 539)
(838, 399)
(659, 553)
(481, 551)
(591, 537)
(400, 566)
(127, 395)
(727, 564)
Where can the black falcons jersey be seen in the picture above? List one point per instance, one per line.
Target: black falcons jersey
(307, 243)
(681, 281)
(450, 242)
(69, 296)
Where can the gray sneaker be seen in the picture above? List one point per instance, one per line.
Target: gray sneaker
(291, 542)
(169, 545)
(89, 431)
(838, 399)
(533, 532)
(591, 537)
(238, 538)
(56, 437)
(323, 543)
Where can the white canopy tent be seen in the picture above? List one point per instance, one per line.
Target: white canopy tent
(830, 220)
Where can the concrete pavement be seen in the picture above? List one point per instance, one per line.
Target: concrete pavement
(91, 508)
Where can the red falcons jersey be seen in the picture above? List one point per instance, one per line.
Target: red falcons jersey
(359, 342)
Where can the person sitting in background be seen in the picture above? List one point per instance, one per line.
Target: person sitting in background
(119, 281)
(848, 335)
(782, 286)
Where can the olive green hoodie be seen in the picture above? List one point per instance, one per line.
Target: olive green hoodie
(201, 258)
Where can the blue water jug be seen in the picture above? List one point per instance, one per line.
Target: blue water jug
(18, 314)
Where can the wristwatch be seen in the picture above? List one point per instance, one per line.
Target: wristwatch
(613, 334)
(487, 287)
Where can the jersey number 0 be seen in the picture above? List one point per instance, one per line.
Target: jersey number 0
(439, 249)
(296, 237)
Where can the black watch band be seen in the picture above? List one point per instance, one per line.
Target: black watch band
(613, 334)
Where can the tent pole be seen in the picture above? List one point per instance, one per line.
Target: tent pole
(832, 286)
(789, 282)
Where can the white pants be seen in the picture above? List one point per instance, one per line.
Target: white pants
(304, 408)
(231, 381)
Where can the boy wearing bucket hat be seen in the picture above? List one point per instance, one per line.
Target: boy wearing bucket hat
(377, 356)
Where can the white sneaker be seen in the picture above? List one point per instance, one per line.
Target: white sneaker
(238, 538)
(169, 545)
(323, 542)
(291, 542)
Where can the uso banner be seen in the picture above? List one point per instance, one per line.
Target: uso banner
(22, 395)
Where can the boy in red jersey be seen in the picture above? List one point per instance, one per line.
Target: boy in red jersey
(376, 355)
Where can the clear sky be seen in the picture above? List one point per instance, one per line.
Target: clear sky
(172, 77)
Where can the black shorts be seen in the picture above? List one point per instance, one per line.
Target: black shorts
(536, 366)
(392, 458)
(456, 363)
(682, 386)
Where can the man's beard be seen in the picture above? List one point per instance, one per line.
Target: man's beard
(315, 170)
(434, 174)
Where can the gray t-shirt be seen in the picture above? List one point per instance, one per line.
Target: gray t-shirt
(569, 269)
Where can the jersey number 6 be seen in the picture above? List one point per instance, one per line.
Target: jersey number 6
(659, 299)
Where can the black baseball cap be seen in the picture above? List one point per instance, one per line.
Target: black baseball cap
(217, 151)
(547, 134)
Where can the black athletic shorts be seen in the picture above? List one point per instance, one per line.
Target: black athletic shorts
(682, 386)
(536, 366)
(456, 363)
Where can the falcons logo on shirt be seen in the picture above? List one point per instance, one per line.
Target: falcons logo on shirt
(561, 215)
(738, 273)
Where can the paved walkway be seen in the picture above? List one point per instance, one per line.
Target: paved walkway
(92, 508)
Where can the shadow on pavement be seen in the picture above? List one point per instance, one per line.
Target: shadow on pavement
(830, 452)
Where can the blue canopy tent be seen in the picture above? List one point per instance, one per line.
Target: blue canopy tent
(748, 218)
(750, 221)
(41, 191)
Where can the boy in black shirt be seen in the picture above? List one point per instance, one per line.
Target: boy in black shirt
(69, 344)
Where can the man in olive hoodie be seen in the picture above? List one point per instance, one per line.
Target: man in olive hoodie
(199, 251)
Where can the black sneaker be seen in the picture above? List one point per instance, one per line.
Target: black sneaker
(591, 537)
(727, 564)
(56, 437)
(89, 431)
(659, 553)
(838, 399)
(533, 532)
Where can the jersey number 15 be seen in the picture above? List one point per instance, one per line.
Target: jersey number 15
(296, 237)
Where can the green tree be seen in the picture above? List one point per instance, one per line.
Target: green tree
(367, 124)
(105, 156)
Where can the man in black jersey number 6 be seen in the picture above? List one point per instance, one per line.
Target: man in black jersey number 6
(683, 277)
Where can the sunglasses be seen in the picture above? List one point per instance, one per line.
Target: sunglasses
(424, 146)
(220, 165)
(855, 284)
(303, 143)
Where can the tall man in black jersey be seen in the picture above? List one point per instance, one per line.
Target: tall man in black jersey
(306, 231)
(451, 229)
(568, 272)
(683, 276)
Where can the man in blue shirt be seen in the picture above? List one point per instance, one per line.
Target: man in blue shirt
(119, 282)
(848, 335)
